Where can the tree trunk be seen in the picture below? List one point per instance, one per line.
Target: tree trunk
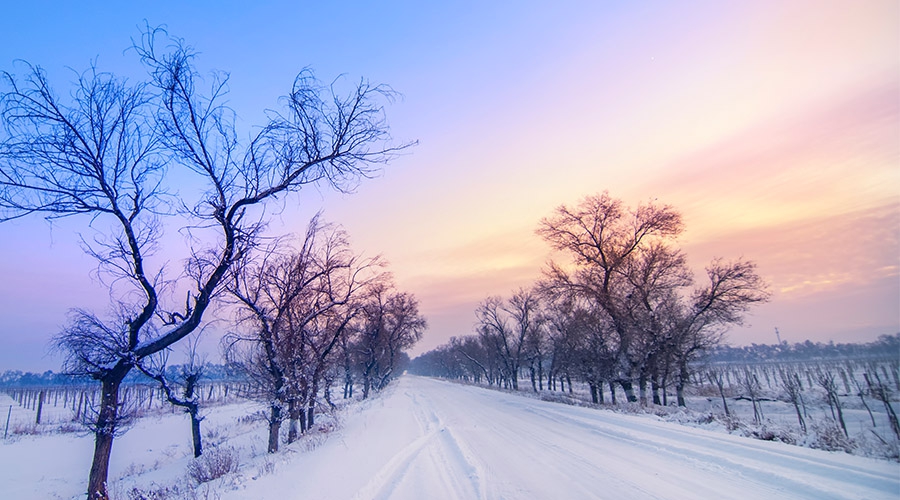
(796, 403)
(629, 391)
(311, 411)
(295, 412)
(665, 392)
(104, 432)
(642, 388)
(679, 393)
(724, 402)
(683, 378)
(540, 376)
(194, 411)
(612, 391)
(594, 398)
(367, 379)
(840, 413)
(274, 428)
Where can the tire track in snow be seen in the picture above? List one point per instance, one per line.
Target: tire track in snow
(435, 458)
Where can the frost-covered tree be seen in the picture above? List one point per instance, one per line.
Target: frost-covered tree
(389, 324)
(293, 305)
(624, 264)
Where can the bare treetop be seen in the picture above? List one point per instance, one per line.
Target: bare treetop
(601, 232)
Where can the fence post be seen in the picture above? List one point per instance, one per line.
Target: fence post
(8, 413)
(40, 407)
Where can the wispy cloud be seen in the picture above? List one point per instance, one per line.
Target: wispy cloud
(837, 156)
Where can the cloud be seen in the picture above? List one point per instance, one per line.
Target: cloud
(822, 253)
(832, 157)
(833, 277)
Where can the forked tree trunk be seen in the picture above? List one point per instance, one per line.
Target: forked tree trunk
(104, 432)
(348, 388)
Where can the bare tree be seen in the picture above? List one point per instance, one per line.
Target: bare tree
(390, 324)
(881, 392)
(603, 238)
(790, 382)
(716, 377)
(183, 389)
(504, 341)
(295, 305)
(825, 378)
(108, 150)
(653, 305)
(623, 265)
(731, 290)
(474, 355)
(750, 383)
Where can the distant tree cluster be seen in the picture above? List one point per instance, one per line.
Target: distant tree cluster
(624, 311)
(18, 378)
(212, 372)
(886, 346)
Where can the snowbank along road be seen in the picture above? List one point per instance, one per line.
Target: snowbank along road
(437, 440)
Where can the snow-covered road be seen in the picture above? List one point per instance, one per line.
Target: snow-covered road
(432, 439)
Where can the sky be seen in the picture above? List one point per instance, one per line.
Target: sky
(772, 126)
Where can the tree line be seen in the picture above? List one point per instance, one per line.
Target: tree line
(622, 311)
(314, 313)
(884, 347)
(137, 158)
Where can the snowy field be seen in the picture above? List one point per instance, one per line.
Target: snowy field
(425, 438)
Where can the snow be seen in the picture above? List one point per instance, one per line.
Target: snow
(425, 438)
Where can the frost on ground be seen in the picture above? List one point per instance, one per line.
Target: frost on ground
(425, 438)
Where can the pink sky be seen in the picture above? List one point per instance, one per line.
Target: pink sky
(773, 126)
